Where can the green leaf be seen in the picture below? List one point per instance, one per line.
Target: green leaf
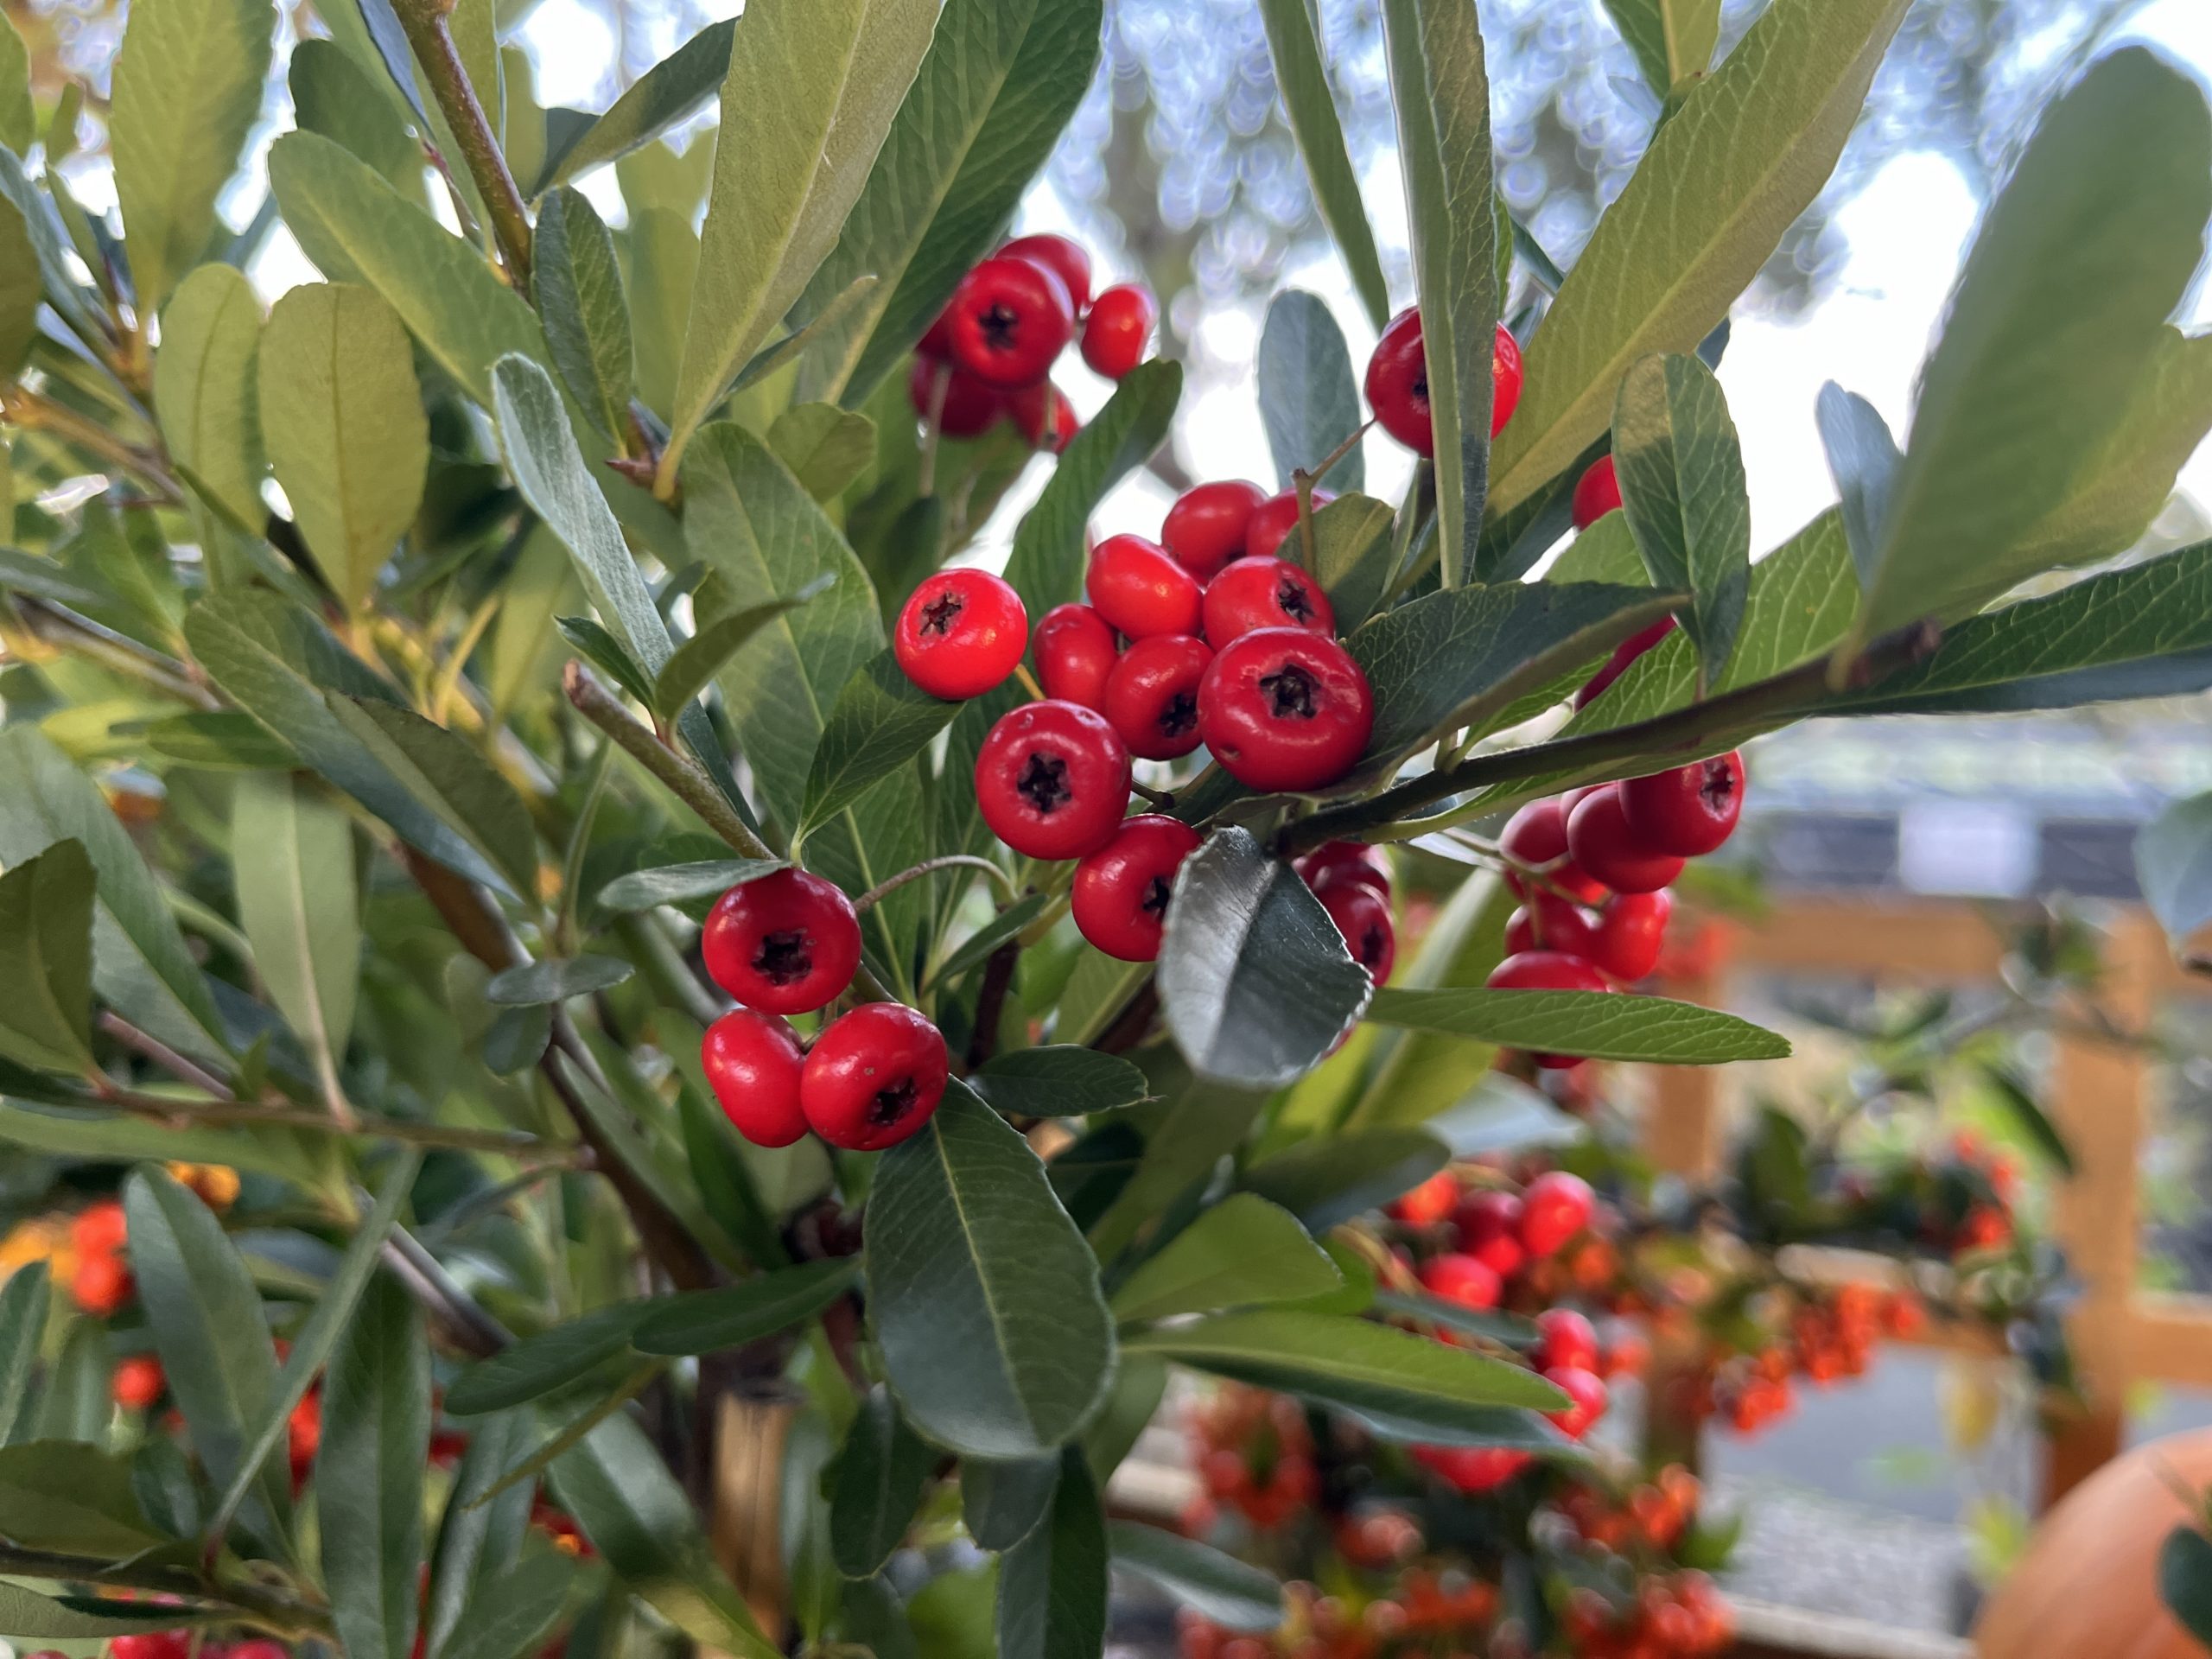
(1331, 1178)
(1059, 1080)
(2029, 1118)
(1673, 40)
(447, 779)
(604, 651)
(554, 1358)
(73, 1499)
(1002, 1503)
(787, 170)
(513, 1612)
(699, 659)
(1293, 42)
(981, 1294)
(1864, 460)
(368, 1474)
(1354, 557)
(187, 89)
(25, 1295)
(2185, 1579)
(45, 960)
(140, 965)
(1218, 1587)
(335, 94)
(578, 283)
(1442, 95)
(517, 1039)
(482, 1532)
(880, 720)
(977, 947)
(357, 228)
(825, 447)
(1682, 489)
(1046, 565)
(1746, 152)
(18, 114)
(1239, 1251)
(47, 246)
(126, 1138)
(2053, 330)
(292, 865)
(1508, 1329)
(205, 388)
(27, 1616)
(664, 275)
(1000, 82)
(636, 1516)
(1052, 1599)
(77, 1402)
(675, 884)
(1599, 1024)
(705, 1321)
(1307, 401)
(876, 1486)
(19, 290)
(664, 96)
(2173, 863)
(45, 578)
(556, 979)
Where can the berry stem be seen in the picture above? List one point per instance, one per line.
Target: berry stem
(1161, 800)
(930, 867)
(1029, 683)
(1303, 478)
(934, 429)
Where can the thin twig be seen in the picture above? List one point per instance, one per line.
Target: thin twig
(36, 412)
(152, 1048)
(428, 33)
(512, 1143)
(684, 777)
(63, 629)
(474, 1328)
(991, 1001)
(930, 867)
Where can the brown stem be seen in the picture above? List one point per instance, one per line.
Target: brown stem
(1134, 1019)
(152, 1048)
(891, 883)
(33, 412)
(428, 33)
(466, 1324)
(991, 1001)
(684, 777)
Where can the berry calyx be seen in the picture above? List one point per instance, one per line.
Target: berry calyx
(1120, 898)
(1270, 593)
(1362, 916)
(139, 1382)
(788, 943)
(971, 406)
(752, 1062)
(873, 1077)
(1285, 709)
(1204, 530)
(1052, 780)
(1586, 1390)
(1461, 1281)
(1599, 836)
(1140, 590)
(1597, 492)
(1555, 1207)
(1631, 931)
(1565, 1338)
(961, 633)
(1686, 811)
(1075, 653)
(1152, 696)
(1043, 414)
(1345, 860)
(1114, 333)
(1064, 257)
(1274, 518)
(1008, 319)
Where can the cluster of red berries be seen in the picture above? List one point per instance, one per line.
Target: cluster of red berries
(1255, 1459)
(1677, 1614)
(988, 356)
(789, 943)
(1653, 1517)
(1416, 1614)
(1821, 1335)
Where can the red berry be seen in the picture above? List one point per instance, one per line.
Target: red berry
(1204, 530)
(1588, 1391)
(1152, 696)
(1548, 922)
(1503, 1255)
(1285, 709)
(1427, 1204)
(752, 1061)
(1567, 1338)
(937, 339)
(1630, 931)
(156, 1644)
(873, 1077)
(1137, 587)
(259, 1647)
(1346, 861)
(1009, 319)
(1461, 1281)
(1547, 970)
(1487, 1214)
(139, 1382)
(1504, 378)
(1362, 916)
(1473, 1469)
(1121, 893)
(1397, 382)
(1555, 1207)
(1064, 258)
(1274, 518)
(1043, 414)
(1624, 654)
(961, 633)
(101, 1285)
(1599, 835)
(1270, 593)
(1075, 654)
(1115, 332)
(1597, 492)
(1689, 810)
(1536, 835)
(100, 1229)
(1052, 780)
(787, 944)
(971, 407)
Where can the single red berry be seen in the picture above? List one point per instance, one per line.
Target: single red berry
(1043, 414)
(1075, 653)
(1503, 1255)
(1009, 319)
(787, 944)
(1473, 1470)
(1487, 1214)
(1599, 835)
(1504, 378)
(1274, 518)
(139, 1382)
(1547, 970)
(1064, 258)
(752, 1061)
(1152, 696)
(1115, 332)
(1429, 1203)
(961, 633)
(154, 1644)
(1251, 593)
(1566, 1338)
(101, 1285)
(1346, 861)
(1687, 810)
(1586, 1389)
(971, 407)
(1121, 893)
(1052, 780)
(1137, 587)
(1630, 931)
(873, 1077)
(1554, 1208)
(1397, 384)
(1536, 835)
(100, 1229)
(1624, 654)
(1362, 916)
(1548, 922)
(1460, 1279)
(1285, 709)
(259, 1647)
(1597, 492)
(1204, 530)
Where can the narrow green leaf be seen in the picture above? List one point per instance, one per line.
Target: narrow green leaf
(1051, 1596)
(335, 94)
(880, 720)
(2185, 1579)
(1595, 1023)
(977, 947)
(725, 1181)
(73, 1499)
(45, 960)
(513, 1612)
(483, 1530)
(604, 651)
(675, 884)
(1863, 459)
(1354, 557)
(77, 1402)
(1673, 40)
(556, 979)
(2173, 863)
(18, 114)
(1220, 1589)
(24, 1298)
(664, 253)
(2030, 1118)
(825, 447)
(876, 1486)
(699, 658)
(27, 1616)
(702, 1321)
(582, 303)
(368, 1486)
(1307, 400)
(292, 854)
(1293, 42)
(45, 578)
(1239, 1252)
(205, 388)
(554, 1358)
(1059, 1080)
(19, 290)
(447, 780)
(1331, 1178)
(1001, 1503)
(664, 96)
(124, 1138)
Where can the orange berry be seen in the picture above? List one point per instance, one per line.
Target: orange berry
(100, 1229)
(101, 1285)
